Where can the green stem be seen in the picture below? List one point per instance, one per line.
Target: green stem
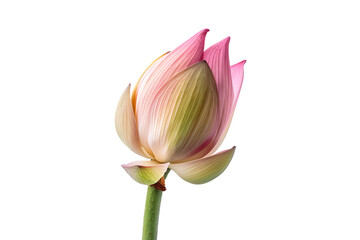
(152, 209)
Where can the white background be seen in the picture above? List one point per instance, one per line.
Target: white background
(295, 173)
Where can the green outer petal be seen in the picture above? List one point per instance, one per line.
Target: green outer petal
(184, 115)
(203, 170)
(146, 172)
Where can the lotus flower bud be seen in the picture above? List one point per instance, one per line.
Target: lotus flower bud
(179, 113)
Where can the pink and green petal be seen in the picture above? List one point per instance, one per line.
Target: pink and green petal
(146, 172)
(160, 73)
(125, 123)
(205, 169)
(182, 57)
(183, 115)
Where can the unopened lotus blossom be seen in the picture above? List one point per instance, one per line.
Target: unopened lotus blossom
(179, 113)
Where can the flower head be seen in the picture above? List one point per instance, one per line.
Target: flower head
(179, 112)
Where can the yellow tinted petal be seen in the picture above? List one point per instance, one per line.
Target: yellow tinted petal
(205, 169)
(125, 123)
(184, 114)
(146, 172)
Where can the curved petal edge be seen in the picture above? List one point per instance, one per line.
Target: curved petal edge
(146, 172)
(183, 115)
(126, 125)
(160, 73)
(237, 75)
(203, 170)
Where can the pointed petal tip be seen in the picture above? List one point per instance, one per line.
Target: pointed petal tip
(202, 64)
(204, 31)
(205, 63)
(127, 89)
(223, 43)
(201, 34)
(227, 39)
(242, 63)
(232, 149)
(199, 37)
(125, 166)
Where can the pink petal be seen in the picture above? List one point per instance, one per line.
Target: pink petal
(134, 94)
(160, 73)
(217, 57)
(237, 74)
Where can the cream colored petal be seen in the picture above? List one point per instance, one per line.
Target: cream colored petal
(150, 69)
(125, 123)
(146, 172)
(205, 169)
(183, 115)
